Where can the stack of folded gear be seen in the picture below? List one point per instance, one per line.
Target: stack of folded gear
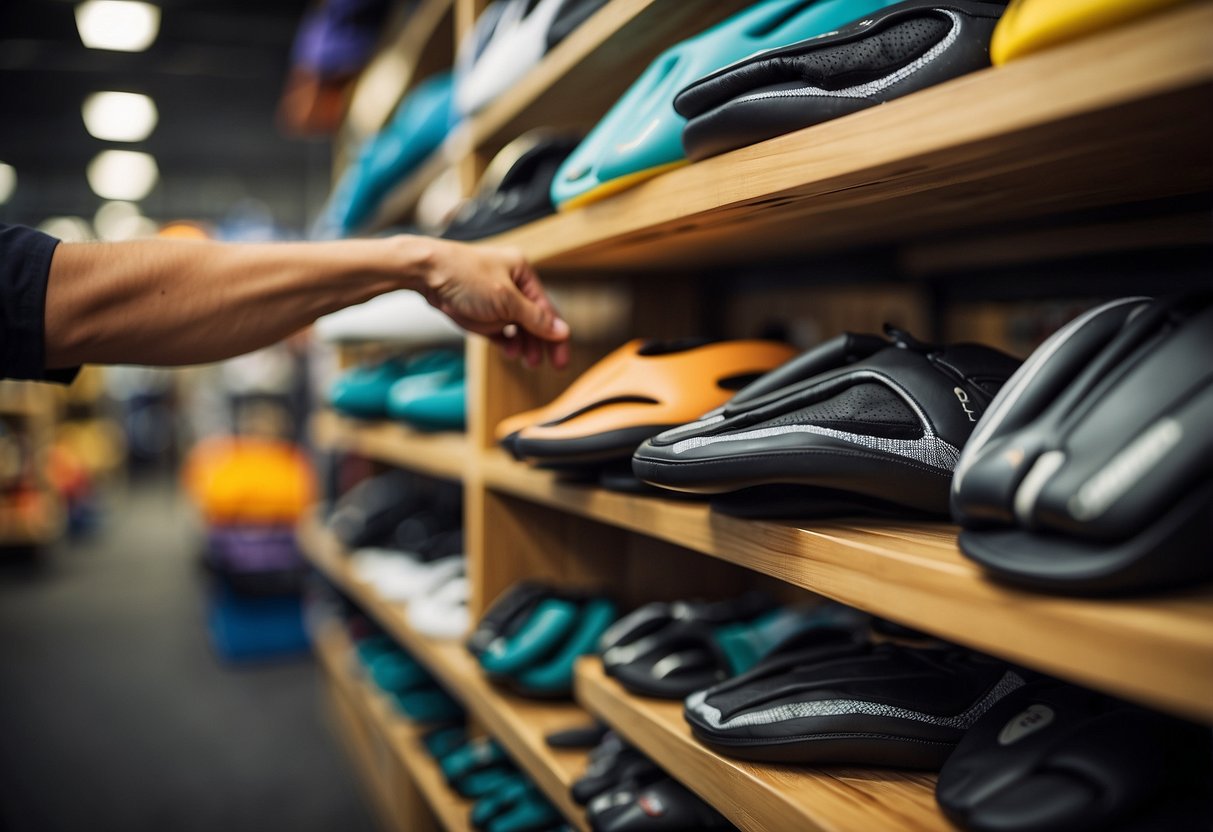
(530, 638)
(426, 390)
(515, 188)
(670, 650)
(1053, 757)
(251, 494)
(416, 130)
(641, 135)
(858, 424)
(508, 40)
(639, 390)
(412, 689)
(479, 769)
(1030, 26)
(1092, 471)
(887, 54)
(625, 791)
(850, 701)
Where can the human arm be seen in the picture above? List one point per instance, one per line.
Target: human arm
(168, 302)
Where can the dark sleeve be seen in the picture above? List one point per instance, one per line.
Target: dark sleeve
(25, 267)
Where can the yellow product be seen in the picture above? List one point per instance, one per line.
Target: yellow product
(249, 481)
(1031, 25)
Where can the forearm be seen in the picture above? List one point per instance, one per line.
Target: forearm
(170, 302)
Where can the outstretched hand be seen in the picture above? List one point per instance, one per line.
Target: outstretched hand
(496, 293)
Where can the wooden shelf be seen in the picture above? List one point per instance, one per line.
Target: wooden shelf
(442, 454)
(762, 798)
(1115, 118)
(520, 725)
(334, 651)
(578, 81)
(1157, 650)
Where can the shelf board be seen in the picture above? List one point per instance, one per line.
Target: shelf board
(520, 725)
(442, 454)
(400, 203)
(334, 651)
(762, 798)
(579, 80)
(1157, 650)
(1115, 118)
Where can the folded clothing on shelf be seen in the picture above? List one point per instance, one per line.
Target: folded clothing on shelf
(638, 390)
(533, 634)
(1052, 756)
(864, 419)
(853, 703)
(1032, 25)
(890, 53)
(670, 650)
(1092, 471)
(517, 195)
(641, 135)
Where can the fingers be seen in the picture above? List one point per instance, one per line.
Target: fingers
(534, 310)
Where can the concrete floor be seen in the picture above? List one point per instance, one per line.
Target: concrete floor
(116, 715)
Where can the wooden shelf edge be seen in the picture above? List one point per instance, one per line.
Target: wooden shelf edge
(828, 179)
(520, 725)
(761, 798)
(445, 455)
(334, 651)
(1155, 650)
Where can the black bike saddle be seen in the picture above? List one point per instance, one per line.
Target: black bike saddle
(1093, 471)
(887, 427)
(887, 54)
(881, 705)
(663, 806)
(521, 196)
(1052, 757)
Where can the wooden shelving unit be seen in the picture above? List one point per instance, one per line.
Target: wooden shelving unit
(762, 797)
(1100, 146)
(519, 724)
(402, 738)
(442, 455)
(1158, 650)
(1047, 134)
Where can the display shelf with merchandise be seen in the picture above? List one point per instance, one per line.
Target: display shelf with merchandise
(1087, 124)
(1158, 650)
(519, 724)
(404, 739)
(761, 796)
(443, 454)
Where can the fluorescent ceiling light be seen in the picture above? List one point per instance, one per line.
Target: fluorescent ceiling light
(122, 174)
(8, 182)
(115, 219)
(121, 25)
(119, 116)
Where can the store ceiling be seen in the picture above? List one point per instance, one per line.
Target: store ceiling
(215, 73)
